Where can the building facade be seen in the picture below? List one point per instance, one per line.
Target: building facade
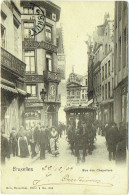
(40, 55)
(107, 73)
(13, 90)
(77, 90)
(101, 69)
(121, 62)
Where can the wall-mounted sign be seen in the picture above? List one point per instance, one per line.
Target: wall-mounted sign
(34, 78)
(39, 45)
(33, 114)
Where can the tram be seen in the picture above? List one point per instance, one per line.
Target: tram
(87, 114)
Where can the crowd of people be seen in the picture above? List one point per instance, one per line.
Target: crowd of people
(116, 141)
(30, 142)
(81, 137)
(80, 134)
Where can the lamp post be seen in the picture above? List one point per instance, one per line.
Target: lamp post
(43, 94)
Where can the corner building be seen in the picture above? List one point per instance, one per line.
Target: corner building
(40, 56)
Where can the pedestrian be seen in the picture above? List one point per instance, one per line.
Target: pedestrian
(23, 150)
(14, 142)
(78, 139)
(47, 131)
(112, 139)
(5, 153)
(85, 140)
(71, 137)
(90, 138)
(42, 143)
(54, 141)
(32, 143)
(121, 145)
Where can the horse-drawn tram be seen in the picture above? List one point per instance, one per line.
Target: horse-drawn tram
(80, 130)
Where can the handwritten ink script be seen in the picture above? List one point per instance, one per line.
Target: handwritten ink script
(66, 176)
(40, 19)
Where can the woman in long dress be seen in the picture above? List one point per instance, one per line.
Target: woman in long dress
(54, 141)
(23, 150)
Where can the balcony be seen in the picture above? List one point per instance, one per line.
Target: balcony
(10, 62)
(52, 76)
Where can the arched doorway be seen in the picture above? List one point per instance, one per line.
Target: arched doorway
(51, 115)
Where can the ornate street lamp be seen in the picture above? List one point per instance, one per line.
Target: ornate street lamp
(43, 94)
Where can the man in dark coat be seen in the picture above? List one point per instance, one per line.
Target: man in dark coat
(85, 140)
(121, 145)
(112, 139)
(4, 149)
(42, 143)
(90, 138)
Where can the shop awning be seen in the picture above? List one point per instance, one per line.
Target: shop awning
(10, 89)
(22, 92)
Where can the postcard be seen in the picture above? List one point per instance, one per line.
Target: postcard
(64, 97)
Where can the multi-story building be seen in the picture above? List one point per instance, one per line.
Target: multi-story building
(40, 54)
(107, 73)
(121, 62)
(13, 89)
(77, 90)
(60, 53)
(101, 72)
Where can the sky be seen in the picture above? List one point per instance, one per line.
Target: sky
(78, 19)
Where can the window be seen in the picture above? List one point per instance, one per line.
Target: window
(28, 10)
(30, 61)
(73, 92)
(48, 14)
(86, 82)
(109, 90)
(112, 84)
(106, 49)
(3, 36)
(48, 33)
(83, 97)
(49, 62)
(31, 89)
(125, 49)
(119, 53)
(109, 68)
(102, 73)
(28, 32)
(105, 71)
(78, 93)
(105, 91)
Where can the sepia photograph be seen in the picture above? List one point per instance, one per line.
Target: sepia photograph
(64, 97)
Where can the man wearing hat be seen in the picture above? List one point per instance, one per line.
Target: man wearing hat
(13, 141)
